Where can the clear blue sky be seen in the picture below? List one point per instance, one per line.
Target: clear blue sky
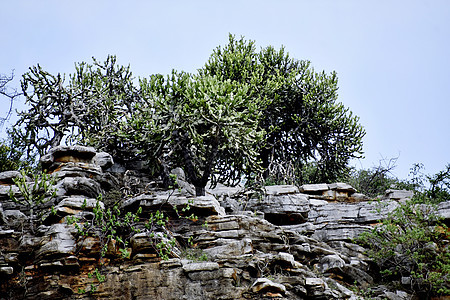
(392, 57)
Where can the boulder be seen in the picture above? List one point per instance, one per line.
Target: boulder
(282, 206)
(264, 285)
(199, 206)
(63, 154)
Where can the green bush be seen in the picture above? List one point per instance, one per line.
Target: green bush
(411, 244)
(375, 181)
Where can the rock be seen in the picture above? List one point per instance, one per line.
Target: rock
(14, 218)
(314, 282)
(78, 186)
(199, 206)
(63, 154)
(342, 187)
(6, 270)
(288, 260)
(6, 177)
(282, 209)
(226, 248)
(398, 295)
(300, 238)
(184, 186)
(264, 285)
(103, 160)
(338, 232)
(444, 210)
(58, 241)
(80, 203)
(202, 266)
(330, 262)
(398, 194)
(281, 190)
(314, 188)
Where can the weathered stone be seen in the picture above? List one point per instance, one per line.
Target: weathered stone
(288, 259)
(398, 295)
(282, 209)
(6, 270)
(443, 210)
(6, 177)
(311, 260)
(201, 266)
(314, 188)
(339, 232)
(103, 160)
(314, 282)
(340, 186)
(80, 203)
(330, 262)
(227, 248)
(14, 218)
(281, 190)
(263, 285)
(59, 240)
(399, 194)
(78, 186)
(199, 206)
(64, 154)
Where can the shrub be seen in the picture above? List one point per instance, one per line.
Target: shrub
(411, 244)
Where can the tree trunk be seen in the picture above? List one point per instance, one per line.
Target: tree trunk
(199, 191)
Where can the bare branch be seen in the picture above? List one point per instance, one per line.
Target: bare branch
(9, 93)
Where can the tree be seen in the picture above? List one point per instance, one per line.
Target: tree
(87, 110)
(9, 93)
(206, 125)
(303, 121)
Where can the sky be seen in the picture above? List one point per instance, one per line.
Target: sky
(392, 57)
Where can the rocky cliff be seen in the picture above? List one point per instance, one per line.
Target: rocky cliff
(282, 243)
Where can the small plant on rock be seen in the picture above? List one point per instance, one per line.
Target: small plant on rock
(33, 193)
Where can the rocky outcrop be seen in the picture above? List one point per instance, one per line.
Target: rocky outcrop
(283, 243)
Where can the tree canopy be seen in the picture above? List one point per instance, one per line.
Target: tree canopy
(241, 114)
(304, 123)
(208, 126)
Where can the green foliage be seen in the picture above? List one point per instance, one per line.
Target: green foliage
(375, 181)
(111, 227)
(195, 254)
(243, 112)
(302, 119)
(439, 187)
(86, 110)
(10, 158)
(35, 193)
(411, 242)
(207, 126)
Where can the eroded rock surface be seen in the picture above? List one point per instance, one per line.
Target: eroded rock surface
(289, 243)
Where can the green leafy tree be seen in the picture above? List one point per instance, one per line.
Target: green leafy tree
(206, 125)
(303, 121)
(85, 110)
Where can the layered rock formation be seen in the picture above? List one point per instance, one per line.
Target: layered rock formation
(283, 243)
